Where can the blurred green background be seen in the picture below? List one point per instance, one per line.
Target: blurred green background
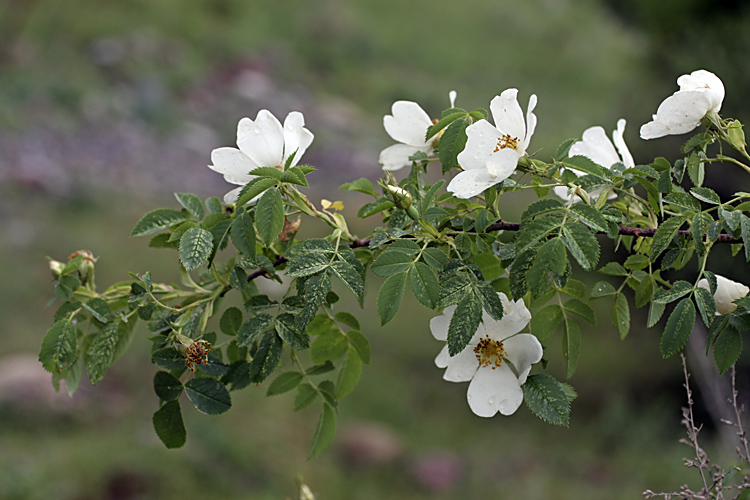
(107, 107)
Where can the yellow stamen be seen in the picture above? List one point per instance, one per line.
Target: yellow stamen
(506, 141)
(490, 352)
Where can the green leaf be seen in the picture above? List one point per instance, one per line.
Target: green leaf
(272, 172)
(266, 358)
(464, 323)
(550, 257)
(546, 398)
(581, 244)
(664, 235)
(602, 289)
(316, 289)
(59, 347)
(328, 346)
(99, 309)
(243, 235)
(435, 258)
(349, 276)
(101, 353)
(683, 200)
(253, 328)
(636, 261)
(678, 328)
(571, 346)
(727, 349)
(254, 188)
(298, 340)
(391, 262)
(706, 305)
(156, 220)
(452, 142)
(306, 394)
(745, 224)
(443, 122)
(564, 148)
(168, 358)
(324, 433)
(490, 265)
(655, 312)
(191, 203)
(285, 382)
(361, 185)
(195, 248)
(585, 164)
(453, 290)
(360, 344)
(544, 322)
(231, 321)
(425, 285)
(590, 216)
(490, 300)
(644, 291)
(169, 426)
(733, 218)
(349, 375)
(269, 216)
(208, 395)
(706, 195)
(307, 264)
(347, 319)
(613, 269)
(621, 315)
(678, 290)
(167, 386)
(581, 309)
(390, 296)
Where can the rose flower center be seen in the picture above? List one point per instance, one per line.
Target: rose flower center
(490, 352)
(506, 141)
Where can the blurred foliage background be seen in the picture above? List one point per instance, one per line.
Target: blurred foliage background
(107, 107)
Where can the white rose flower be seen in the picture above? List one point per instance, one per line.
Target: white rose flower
(492, 152)
(596, 146)
(496, 361)
(700, 92)
(727, 291)
(262, 143)
(408, 125)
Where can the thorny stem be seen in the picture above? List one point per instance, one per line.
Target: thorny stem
(740, 428)
(701, 461)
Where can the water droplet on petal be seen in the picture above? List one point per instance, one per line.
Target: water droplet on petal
(482, 144)
(491, 401)
(468, 397)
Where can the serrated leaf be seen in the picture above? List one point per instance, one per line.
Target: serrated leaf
(254, 188)
(453, 290)
(613, 269)
(584, 164)
(678, 290)
(391, 262)
(195, 247)
(581, 309)
(443, 122)
(306, 394)
(168, 358)
(266, 358)
(231, 321)
(590, 216)
(307, 264)
(269, 216)
(464, 323)
(360, 344)
(156, 220)
(285, 382)
(727, 349)
(706, 195)
(602, 289)
(253, 328)
(286, 328)
(99, 309)
(425, 285)
(571, 346)
(678, 328)
(208, 395)
(192, 204)
(328, 346)
(683, 200)
(621, 315)
(169, 426)
(167, 386)
(581, 244)
(316, 289)
(349, 375)
(101, 353)
(243, 235)
(644, 291)
(390, 296)
(551, 256)
(546, 321)
(547, 399)
(664, 235)
(361, 185)
(564, 148)
(324, 432)
(435, 258)
(706, 305)
(452, 142)
(745, 225)
(59, 347)
(655, 312)
(347, 319)
(320, 369)
(636, 261)
(490, 300)
(733, 218)
(349, 276)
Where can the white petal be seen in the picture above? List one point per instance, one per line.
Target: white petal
(622, 148)
(564, 193)
(707, 81)
(523, 350)
(492, 391)
(296, 137)
(443, 358)
(471, 183)
(678, 114)
(481, 142)
(462, 366)
(596, 146)
(233, 163)
(408, 124)
(515, 318)
(452, 96)
(397, 156)
(530, 123)
(508, 115)
(244, 127)
(727, 291)
(231, 196)
(264, 142)
(439, 324)
(502, 164)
